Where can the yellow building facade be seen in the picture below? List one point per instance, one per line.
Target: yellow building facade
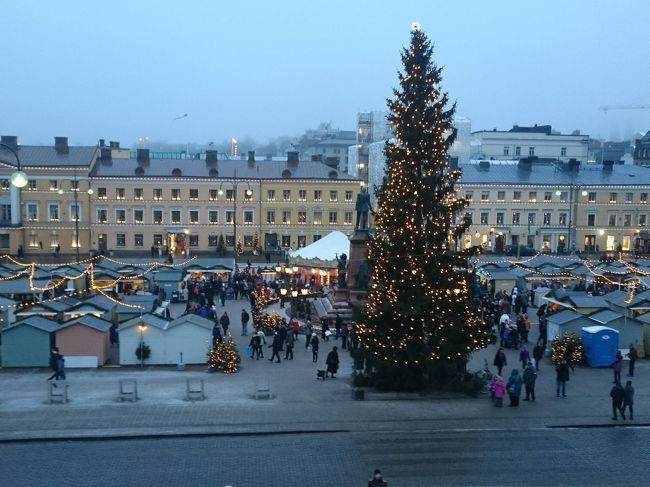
(557, 208)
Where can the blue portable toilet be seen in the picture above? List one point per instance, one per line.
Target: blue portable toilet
(600, 345)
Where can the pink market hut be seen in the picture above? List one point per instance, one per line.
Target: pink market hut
(84, 341)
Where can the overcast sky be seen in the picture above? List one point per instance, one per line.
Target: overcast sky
(124, 69)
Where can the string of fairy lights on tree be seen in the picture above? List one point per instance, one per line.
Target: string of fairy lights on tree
(419, 304)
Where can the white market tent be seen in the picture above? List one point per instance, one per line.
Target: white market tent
(326, 248)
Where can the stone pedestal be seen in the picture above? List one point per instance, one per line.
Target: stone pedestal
(358, 253)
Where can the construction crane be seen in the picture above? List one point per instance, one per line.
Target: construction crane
(623, 107)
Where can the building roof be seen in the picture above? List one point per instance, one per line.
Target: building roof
(126, 168)
(193, 319)
(539, 175)
(148, 319)
(22, 286)
(584, 301)
(43, 155)
(37, 322)
(89, 321)
(564, 316)
(605, 316)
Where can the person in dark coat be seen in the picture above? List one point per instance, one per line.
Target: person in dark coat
(538, 354)
(617, 367)
(561, 377)
(222, 296)
(60, 368)
(618, 396)
(256, 346)
(276, 346)
(216, 335)
(500, 360)
(568, 355)
(524, 357)
(224, 321)
(628, 401)
(377, 480)
(244, 322)
(530, 376)
(338, 323)
(513, 387)
(325, 327)
(54, 357)
(332, 362)
(314, 348)
(632, 355)
(288, 343)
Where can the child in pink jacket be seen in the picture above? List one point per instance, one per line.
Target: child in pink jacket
(499, 392)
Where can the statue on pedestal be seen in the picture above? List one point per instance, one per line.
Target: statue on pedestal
(343, 263)
(363, 277)
(363, 206)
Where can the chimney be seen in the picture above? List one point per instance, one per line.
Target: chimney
(102, 142)
(608, 166)
(317, 157)
(574, 165)
(114, 144)
(484, 165)
(142, 156)
(10, 140)
(292, 157)
(211, 156)
(61, 145)
(106, 154)
(526, 163)
(251, 156)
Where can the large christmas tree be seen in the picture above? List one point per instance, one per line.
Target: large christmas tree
(420, 326)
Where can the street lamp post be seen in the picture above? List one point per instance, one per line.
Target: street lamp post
(249, 193)
(18, 177)
(75, 193)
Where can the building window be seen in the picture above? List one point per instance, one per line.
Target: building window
(120, 216)
(468, 217)
(516, 217)
(230, 241)
(286, 195)
(591, 198)
(317, 195)
(546, 242)
(302, 241)
(318, 217)
(54, 185)
(531, 218)
(176, 217)
(643, 219)
(138, 194)
(157, 239)
(120, 240)
(101, 192)
(213, 195)
(347, 218)
(516, 196)
(5, 213)
(334, 195)
(213, 217)
(230, 195)
(629, 197)
(613, 197)
(270, 195)
(4, 241)
(5, 184)
(176, 194)
(500, 218)
(547, 218)
(248, 241)
(102, 215)
(286, 241)
(194, 217)
(138, 240)
(501, 196)
(484, 218)
(119, 193)
(248, 194)
(548, 196)
(75, 212)
(469, 195)
(286, 216)
(157, 194)
(138, 216)
(562, 219)
(194, 240)
(611, 219)
(74, 185)
(506, 150)
(563, 152)
(643, 198)
(591, 220)
(270, 217)
(532, 196)
(485, 196)
(348, 196)
(316, 238)
(517, 151)
(54, 240)
(194, 194)
(564, 196)
(213, 240)
(531, 151)
(627, 220)
(31, 185)
(33, 241)
(333, 217)
(158, 217)
(230, 216)
(302, 217)
(302, 195)
(53, 212)
(32, 212)
(248, 217)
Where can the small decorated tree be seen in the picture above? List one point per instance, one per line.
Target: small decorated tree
(256, 244)
(560, 345)
(239, 247)
(224, 357)
(269, 322)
